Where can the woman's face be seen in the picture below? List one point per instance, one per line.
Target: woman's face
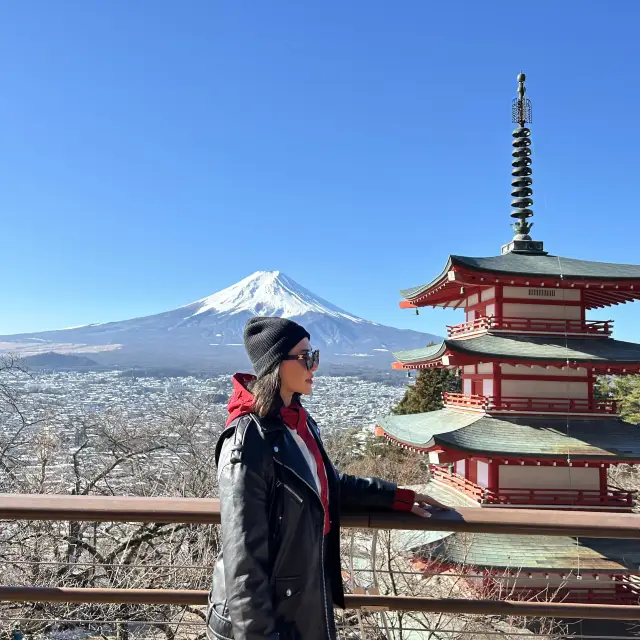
(294, 375)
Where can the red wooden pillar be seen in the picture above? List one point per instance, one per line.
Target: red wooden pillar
(603, 478)
(472, 470)
(493, 475)
(497, 384)
(498, 302)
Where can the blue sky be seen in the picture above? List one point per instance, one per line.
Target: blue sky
(153, 152)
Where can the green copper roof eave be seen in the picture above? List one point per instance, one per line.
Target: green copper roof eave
(419, 355)
(531, 348)
(517, 264)
(548, 265)
(414, 292)
(549, 437)
(420, 429)
(540, 553)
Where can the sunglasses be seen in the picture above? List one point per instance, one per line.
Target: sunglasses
(310, 358)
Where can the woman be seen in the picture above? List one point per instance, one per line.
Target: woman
(278, 574)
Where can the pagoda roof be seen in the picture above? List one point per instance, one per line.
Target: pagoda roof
(530, 552)
(550, 437)
(567, 271)
(599, 351)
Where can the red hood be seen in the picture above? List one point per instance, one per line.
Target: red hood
(241, 400)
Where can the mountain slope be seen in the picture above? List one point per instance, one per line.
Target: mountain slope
(59, 362)
(207, 334)
(268, 293)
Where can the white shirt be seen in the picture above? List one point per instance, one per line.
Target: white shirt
(308, 456)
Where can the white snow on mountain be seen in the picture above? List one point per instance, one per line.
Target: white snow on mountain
(268, 293)
(207, 334)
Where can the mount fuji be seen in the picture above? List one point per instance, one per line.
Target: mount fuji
(206, 335)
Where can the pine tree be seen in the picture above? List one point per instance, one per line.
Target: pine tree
(625, 390)
(426, 393)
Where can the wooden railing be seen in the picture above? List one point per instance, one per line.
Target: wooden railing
(557, 405)
(618, 593)
(543, 405)
(207, 511)
(465, 400)
(612, 497)
(458, 482)
(532, 325)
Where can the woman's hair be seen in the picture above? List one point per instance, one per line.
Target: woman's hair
(266, 393)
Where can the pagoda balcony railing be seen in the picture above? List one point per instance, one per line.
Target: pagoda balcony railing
(585, 498)
(458, 482)
(612, 497)
(529, 405)
(620, 593)
(465, 400)
(532, 325)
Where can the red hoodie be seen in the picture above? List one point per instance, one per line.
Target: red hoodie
(241, 400)
(241, 403)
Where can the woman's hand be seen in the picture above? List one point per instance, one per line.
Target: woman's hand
(423, 501)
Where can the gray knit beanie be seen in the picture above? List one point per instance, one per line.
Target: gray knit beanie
(268, 340)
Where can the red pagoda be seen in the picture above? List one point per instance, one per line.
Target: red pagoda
(527, 429)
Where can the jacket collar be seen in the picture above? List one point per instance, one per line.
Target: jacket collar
(285, 450)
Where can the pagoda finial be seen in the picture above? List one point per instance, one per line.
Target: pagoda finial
(521, 176)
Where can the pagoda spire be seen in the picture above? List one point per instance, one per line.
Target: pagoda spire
(521, 176)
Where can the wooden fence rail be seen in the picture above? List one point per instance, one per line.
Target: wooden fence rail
(207, 511)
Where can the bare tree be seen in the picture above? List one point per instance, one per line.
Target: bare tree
(44, 450)
(109, 453)
(382, 566)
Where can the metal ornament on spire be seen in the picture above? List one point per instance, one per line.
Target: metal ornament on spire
(521, 172)
(521, 176)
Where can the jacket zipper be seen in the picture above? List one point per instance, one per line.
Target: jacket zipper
(324, 585)
(297, 475)
(313, 428)
(295, 496)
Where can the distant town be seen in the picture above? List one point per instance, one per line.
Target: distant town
(337, 402)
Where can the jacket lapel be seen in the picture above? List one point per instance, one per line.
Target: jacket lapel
(287, 452)
(291, 456)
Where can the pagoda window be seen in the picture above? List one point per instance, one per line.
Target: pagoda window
(485, 367)
(482, 474)
(543, 293)
(536, 370)
(545, 477)
(467, 386)
(556, 312)
(469, 368)
(487, 388)
(472, 471)
(477, 386)
(491, 310)
(461, 468)
(488, 294)
(543, 389)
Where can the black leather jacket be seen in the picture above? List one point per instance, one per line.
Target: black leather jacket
(277, 574)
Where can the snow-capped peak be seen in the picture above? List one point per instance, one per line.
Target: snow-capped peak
(268, 293)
